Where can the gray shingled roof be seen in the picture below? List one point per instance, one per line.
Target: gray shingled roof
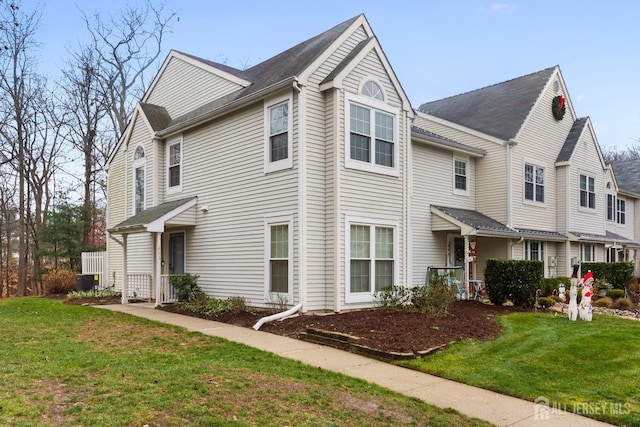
(478, 221)
(627, 174)
(280, 68)
(498, 110)
(542, 235)
(609, 237)
(147, 216)
(157, 116)
(572, 140)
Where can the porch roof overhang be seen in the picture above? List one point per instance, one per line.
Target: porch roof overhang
(473, 223)
(609, 238)
(153, 220)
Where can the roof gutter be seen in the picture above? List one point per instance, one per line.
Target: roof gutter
(443, 143)
(227, 108)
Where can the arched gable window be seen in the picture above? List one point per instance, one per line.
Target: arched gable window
(372, 89)
(138, 180)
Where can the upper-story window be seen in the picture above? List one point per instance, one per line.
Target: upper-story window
(372, 135)
(460, 174)
(611, 207)
(278, 134)
(533, 183)
(138, 180)
(621, 217)
(174, 166)
(587, 192)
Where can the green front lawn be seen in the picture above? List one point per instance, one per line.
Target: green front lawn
(80, 366)
(589, 368)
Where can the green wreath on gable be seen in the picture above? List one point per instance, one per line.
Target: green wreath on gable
(558, 107)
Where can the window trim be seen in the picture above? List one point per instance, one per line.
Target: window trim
(373, 105)
(466, 176)
(534, 200)
(580, 190)
(365, 297)
(169, 144)
(140, 163)
(287, 163)
(268, 223)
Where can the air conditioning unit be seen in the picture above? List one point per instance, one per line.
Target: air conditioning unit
(553, 261)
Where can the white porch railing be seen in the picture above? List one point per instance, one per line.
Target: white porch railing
(167, 292)
(140, 286)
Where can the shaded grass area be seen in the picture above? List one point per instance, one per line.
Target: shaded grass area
(74, 365)
(588, 368)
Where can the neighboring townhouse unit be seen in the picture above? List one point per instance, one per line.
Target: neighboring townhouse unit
(308, 180)
(542, 188)
(282, 183)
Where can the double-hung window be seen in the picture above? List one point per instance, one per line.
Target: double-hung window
(460, 171)
(371, 259)
(533, 183)
(611, 207)
(174, 166)
(138, 180)
(372, 135)
(587, 252)
(587, 192)
(278, 259)
(278, 131)
(621, 214)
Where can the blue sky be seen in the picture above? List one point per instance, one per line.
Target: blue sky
(437, 48)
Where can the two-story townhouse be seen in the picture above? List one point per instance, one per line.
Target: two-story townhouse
(284, 183)
(623, 209)
(540, 187)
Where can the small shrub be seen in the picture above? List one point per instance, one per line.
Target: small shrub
(435, 299)
(209, 306)
(394, 297)
(548, 285)
(605, 302)
(186, 286)
(615, 293)
(545, 302)
(91, 294)
(623, 304)
(60, 281)
(556, 298)
(239, 304)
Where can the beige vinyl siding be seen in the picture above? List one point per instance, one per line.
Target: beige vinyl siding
(224, 166)
(184, 87)
(491, 170)
(319, 142)
(563, 210)
(115, 215)
(585, 161)
(432, 184)
(539, 143)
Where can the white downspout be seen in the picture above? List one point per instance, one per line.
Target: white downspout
(302, 203)
(277, 316)
(510, 143)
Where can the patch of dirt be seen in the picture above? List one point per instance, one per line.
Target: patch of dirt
(384, 330)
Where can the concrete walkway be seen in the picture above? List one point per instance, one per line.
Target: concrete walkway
(472, 401)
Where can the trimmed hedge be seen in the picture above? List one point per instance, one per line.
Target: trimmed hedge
(515, 280)
(618, 274)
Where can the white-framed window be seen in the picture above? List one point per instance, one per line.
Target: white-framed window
(460, 176)
(371, 257)
(611, 207)
(372, 89)
(278, 145)
(533, 183)
(371, 135)
(587, 192)
(139, 172)
(174, 166)
(587, 252)
(621, 212)
(534, 250)
(278, 237)
(612, 253)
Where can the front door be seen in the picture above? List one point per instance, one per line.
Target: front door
(458, 251)
(176, 252)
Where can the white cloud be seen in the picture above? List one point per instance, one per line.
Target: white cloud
(503, 8)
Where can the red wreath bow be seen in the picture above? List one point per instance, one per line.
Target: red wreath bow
(561, 103)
